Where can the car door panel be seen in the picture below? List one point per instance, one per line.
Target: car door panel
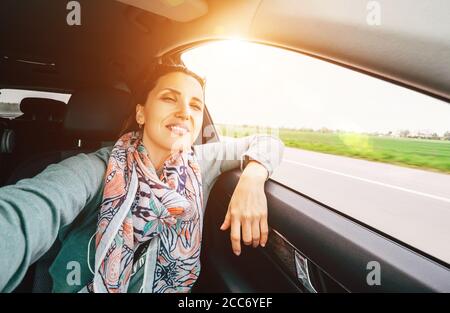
(342, 255)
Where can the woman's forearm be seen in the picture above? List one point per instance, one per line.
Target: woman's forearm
(255, 172)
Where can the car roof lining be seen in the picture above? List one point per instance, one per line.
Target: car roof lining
(177, 10)
(411, 46)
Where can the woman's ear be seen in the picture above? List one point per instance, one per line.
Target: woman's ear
(140, 119)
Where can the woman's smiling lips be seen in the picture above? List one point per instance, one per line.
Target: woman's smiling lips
(178, 129)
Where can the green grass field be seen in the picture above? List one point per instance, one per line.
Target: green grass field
(418, 153)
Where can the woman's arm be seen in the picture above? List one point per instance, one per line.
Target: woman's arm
(33, 210)
(218, 157)
(257, 156)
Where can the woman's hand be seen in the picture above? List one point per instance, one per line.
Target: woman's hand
(248, 208)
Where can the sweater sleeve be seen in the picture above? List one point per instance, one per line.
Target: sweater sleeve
(218, 157)
(34, 210)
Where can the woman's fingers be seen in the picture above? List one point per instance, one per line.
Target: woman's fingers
(264, 231)
(235, 235)
(246, 231)
(227, 222)
(256, 232)
(254, 228)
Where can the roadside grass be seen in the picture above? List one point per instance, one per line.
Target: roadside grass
(418, 153)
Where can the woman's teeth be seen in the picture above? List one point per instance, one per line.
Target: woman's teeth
(178, 130)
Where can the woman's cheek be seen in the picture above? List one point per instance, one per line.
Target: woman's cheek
(194, 135)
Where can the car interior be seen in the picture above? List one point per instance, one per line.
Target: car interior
(311, 247)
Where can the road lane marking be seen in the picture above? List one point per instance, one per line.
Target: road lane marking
(371, 181)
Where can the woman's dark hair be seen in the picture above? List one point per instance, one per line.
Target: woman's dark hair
(147, 83)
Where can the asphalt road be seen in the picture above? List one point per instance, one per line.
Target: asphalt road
(409, 204)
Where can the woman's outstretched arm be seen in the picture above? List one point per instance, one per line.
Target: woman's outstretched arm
(33, 211)
(257, 156)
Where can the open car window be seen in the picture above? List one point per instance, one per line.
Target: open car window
(372, 150)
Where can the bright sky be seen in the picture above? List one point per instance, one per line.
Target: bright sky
(248, 83)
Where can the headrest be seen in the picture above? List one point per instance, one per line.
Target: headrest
(7, 140)
(97, 113)
(42, 109)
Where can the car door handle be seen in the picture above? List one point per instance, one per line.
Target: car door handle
(301, 265)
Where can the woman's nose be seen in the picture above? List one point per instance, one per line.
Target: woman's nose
(185, 110)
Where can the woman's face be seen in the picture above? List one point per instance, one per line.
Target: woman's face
(173, 113)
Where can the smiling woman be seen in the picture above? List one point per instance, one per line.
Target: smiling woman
(143, 199)
(172, 112)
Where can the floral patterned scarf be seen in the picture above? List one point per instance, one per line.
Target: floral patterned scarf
(139, 206)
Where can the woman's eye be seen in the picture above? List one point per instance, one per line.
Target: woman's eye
(197, 107)
(169, 99)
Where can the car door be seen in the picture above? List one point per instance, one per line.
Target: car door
(311, 248)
